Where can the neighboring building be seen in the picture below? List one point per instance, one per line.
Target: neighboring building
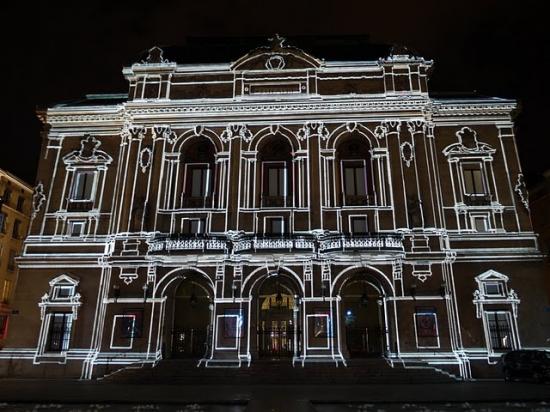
(15, 211)
(277, 206)
(539, 199)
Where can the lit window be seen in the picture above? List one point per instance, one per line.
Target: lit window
(83, 185)
(500, 330)
(59, 333)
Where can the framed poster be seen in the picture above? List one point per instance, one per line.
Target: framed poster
(425, 324)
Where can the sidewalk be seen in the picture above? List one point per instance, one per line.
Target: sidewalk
(65, 391)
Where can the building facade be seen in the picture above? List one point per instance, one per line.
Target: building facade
(15, 210)
(279, 206)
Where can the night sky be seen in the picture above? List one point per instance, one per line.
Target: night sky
(57, 53)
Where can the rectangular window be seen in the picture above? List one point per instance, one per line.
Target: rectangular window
(63, 291)
(198, 181)
(358, 224)
(494, 289)
(2, 223)
(473, 179)
(274, 179)
(500, 330)
(59, 333)
(6, 290)
(355, 178)
(274, 225)
(20, 203)
(425, 324)
(76, 228)
(11, 260)
(480, 223)
(193, 226)
(15, 234)
(83, 185)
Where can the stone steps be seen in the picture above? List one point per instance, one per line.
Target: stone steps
(281, 372)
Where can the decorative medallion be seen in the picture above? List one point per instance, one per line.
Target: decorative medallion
(407, 153)
(145, 158)
(275, 62)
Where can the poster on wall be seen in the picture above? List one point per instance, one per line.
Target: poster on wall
(131, 324)
(232, 323)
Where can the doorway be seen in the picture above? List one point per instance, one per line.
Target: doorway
(363, 319)
(192, 317)
(278, 322)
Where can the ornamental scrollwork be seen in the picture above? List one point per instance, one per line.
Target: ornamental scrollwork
(311, 129)
(38, 198)
(233, 131)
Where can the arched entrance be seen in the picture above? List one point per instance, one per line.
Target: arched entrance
(278, 325)
(192, 317)
(363, 318)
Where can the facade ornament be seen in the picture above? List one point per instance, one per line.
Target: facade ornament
(274, 128)
(198, 130)
(397, 270)
(468, 144)
(380, 132)
(155, 56)
(233, 131)
(145, 158)
(128, 275)
(416, 126)
(275, 62)
(313, 128)
(407, 153)
(351, 126)
(38, 198)
(392, 126)
(165, 132)
(88, 153)
(137, 132)
(521, 189)
(125, 132)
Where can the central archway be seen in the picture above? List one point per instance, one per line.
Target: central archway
(191, 318)
(278, 324)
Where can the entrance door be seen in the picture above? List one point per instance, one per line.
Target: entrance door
(362, 320)
(190, 333)
(278, 331)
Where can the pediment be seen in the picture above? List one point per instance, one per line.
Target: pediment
(492, 275)
(468, 144)
(276, 56)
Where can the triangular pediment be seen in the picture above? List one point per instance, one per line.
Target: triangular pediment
(276, 56)
(492, 275)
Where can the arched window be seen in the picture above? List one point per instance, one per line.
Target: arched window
(355, 167)
(276, 168)
(197, 174)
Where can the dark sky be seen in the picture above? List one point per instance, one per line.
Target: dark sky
(57, 53)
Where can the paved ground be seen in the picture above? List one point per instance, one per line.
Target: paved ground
(76, 396)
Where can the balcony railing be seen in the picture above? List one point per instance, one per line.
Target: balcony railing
(477, 200)
(247, 243)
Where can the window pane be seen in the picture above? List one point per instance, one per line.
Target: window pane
(273, 182)
(468, 181)
(84, 182)
(281, 178)
(349, 181)
(198, 182)
(480, 224)
(499, 330)
(478, 181)
(60, 331)
(359, 225)
(361, 186)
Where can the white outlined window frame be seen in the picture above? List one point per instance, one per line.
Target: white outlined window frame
(52, 303)
(188, 183)
(468, 164)
(78, 174)
(483, 217)
(239, 323)
(267, 226)
(201, 225)
(73, 224)
(507, 302)
(115, 328)
(351, 219)
(265, 186)
(434, 314)
(310, 336)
